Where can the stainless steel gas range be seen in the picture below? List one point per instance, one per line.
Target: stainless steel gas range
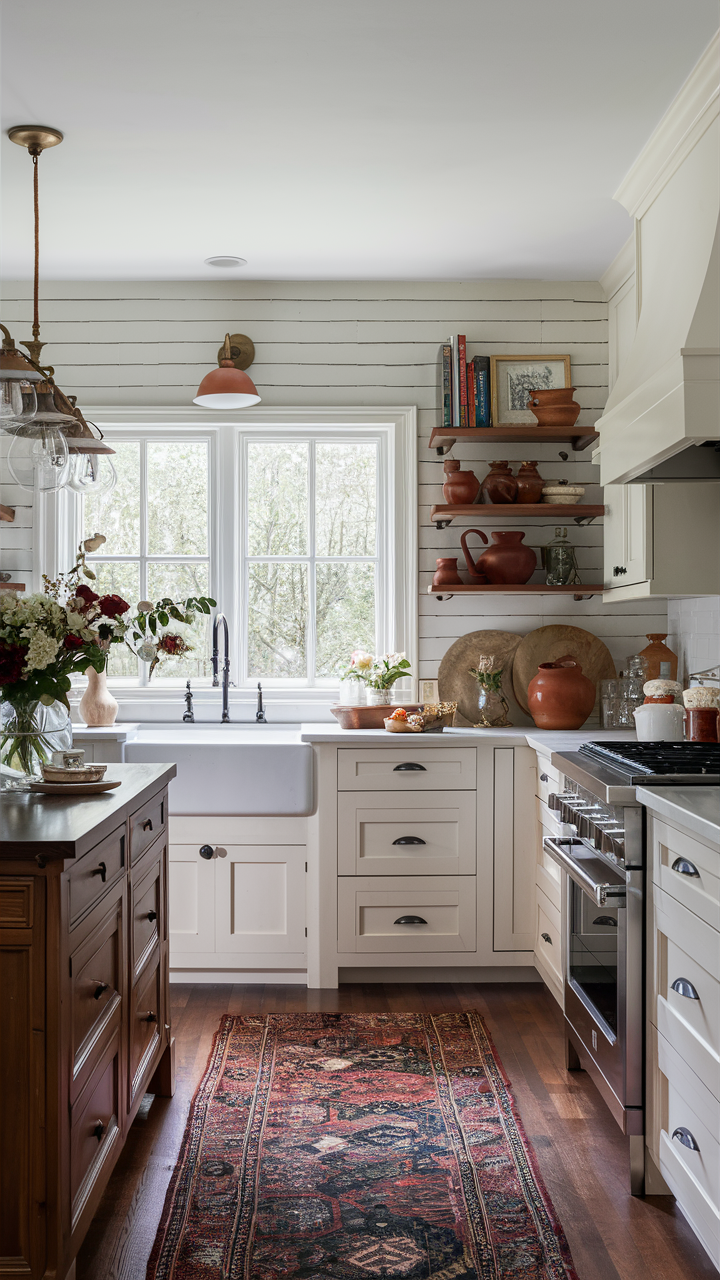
(604, 919)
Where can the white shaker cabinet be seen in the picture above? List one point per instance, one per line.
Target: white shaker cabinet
(657, 539)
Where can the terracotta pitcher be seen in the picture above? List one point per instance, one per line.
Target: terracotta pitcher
(499, 484)
(560, 696)
(530, 483)
(446, 574)
(506, 562)
(461, 487)
(476, 572)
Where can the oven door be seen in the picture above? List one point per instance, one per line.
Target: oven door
(603, 967)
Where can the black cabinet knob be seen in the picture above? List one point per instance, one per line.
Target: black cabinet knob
(98, 1130)
(410, 920)
(619, 570)
(544, 777)
(685, 868)
(410, 768)
(546, 938)
(408, 840)
(101, 871)
(206, 851)
(150, 1017)
(147, 825)
(101, 986)
(152, 915)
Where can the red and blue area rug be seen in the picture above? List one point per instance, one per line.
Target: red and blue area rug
(328, 1146)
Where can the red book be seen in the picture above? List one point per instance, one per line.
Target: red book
(462, 378)
(471, 418)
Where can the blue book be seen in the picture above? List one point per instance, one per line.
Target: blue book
(482, 380)
(446, 385)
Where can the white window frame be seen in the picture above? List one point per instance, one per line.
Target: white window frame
(57, 522)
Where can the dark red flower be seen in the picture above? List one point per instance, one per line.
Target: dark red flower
(73, 642)
(12, 661)
(172, 644)
(86, 594)
(112, 606)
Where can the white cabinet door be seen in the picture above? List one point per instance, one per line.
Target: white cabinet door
(260, 899)
(627, 534)
(514, 849)
(191, 901)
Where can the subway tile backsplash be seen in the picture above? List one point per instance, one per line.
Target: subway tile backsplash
(694, 633)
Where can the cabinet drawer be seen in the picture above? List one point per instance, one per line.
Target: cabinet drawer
(148, 910)
(548, 779)
(93, 874)
(548, 936)
(146, 824)
(409, 768)
(96, 986)
(369, 911)
(381, 833)
(95, 1132)
(690, 1022)
(686, 1104)
(687, 869)
(146, 1024)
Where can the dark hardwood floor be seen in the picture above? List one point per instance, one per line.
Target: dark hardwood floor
(580, 1150)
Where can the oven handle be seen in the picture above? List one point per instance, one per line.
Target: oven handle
(598, 890)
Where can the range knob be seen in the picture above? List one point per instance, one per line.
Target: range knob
(612, 842)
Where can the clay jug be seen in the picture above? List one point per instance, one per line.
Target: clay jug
(477, 575)
(97, 705)
(461, 487)
(507, 563)
(560, 696)
(446, 574)
(499, 484)
(656, 655)
(554, 407)
(529, 483)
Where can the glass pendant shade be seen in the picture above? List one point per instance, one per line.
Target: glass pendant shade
(18, 401)
(91, 473)
(38, 458)
(226, 388)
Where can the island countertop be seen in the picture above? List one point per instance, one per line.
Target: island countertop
(59, 827)
(697, 809)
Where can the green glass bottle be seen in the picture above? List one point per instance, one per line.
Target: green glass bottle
(559, 561)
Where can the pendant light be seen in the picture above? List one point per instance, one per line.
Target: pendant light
(229, 387)
(53, 445)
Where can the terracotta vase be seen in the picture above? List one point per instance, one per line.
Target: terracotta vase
(530, 483)
(446, 574)
(499, 484)
(461, 487)
(97, 705)
(555, 407)
(656, 655)
(506, 562)
(560, 696)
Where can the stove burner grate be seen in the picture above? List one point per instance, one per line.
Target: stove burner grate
(658, 759)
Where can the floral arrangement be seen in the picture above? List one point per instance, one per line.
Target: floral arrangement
(147, 633)
(376, 672)
(492, 703)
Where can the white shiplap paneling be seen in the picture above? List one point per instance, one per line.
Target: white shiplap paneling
(349, 343)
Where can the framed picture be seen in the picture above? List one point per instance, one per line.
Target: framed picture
(428, 691)
(512, 378)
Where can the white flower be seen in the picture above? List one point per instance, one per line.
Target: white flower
(42, 650)
(147, 651)
(361, 661)
(75, 621)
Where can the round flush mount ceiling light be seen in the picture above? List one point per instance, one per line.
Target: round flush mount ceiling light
(225, 260)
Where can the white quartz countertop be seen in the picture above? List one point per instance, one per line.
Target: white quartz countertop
(696, 809)
(542, 740)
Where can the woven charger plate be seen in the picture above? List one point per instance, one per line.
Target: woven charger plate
(455, 684)
(547, 644)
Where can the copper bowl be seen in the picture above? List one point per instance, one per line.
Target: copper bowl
(370, 717)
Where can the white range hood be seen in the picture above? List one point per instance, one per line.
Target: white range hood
(666, 401)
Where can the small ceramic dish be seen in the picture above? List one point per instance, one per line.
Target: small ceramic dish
(74, 788)
(86, 773)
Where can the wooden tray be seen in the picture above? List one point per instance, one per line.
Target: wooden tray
(73, 788)
(369, 717)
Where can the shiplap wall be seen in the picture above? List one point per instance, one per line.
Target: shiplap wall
(16, 539)
(349, 343)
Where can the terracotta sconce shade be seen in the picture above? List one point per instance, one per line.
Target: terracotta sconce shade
(227, 387)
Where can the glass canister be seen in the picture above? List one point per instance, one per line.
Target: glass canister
(559, 561)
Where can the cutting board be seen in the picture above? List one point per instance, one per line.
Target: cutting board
(547, 644)
(455, 684)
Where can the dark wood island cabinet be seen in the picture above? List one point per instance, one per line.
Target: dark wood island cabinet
(84, 1022)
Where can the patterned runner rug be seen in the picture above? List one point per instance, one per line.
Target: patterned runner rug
(330, 1146)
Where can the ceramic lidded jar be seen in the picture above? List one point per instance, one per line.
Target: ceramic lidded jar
(529, 483)
(507, 562)
(499, 484)
(560, 696)
(461, 488)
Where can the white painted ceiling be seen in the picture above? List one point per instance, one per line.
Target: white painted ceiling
(412, 139)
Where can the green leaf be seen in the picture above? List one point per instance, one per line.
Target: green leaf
(163, 618)
(152, 623)
(176, 614)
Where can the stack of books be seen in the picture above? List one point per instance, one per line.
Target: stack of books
(466, 386)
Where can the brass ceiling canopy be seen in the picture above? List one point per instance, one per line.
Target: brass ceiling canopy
(242, 351)
(36, 137)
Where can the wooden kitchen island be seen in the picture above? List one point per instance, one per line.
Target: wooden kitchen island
(84, 1023)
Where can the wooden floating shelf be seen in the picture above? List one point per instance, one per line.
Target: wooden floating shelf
(443, 438)
(7, 513)
(444, 515)
(12, 586)
(577, 589)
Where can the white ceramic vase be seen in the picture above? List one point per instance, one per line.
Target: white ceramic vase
(97, 705)
(659, 722)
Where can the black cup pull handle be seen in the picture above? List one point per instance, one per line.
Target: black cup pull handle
(408, 840)
(685, 868)
(150, 1017)
(685, 988)
(101, 871)
(410, 920)
(100, 988)
(98, 1130)
(684, 1136)
(410, 768)
(546, 938)
(206, 851)
(147, 825)
(152, 915)
(608, 920)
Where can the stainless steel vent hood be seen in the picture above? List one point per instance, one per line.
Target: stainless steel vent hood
(662, 418)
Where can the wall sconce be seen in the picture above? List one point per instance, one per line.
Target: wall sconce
(229, 387)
